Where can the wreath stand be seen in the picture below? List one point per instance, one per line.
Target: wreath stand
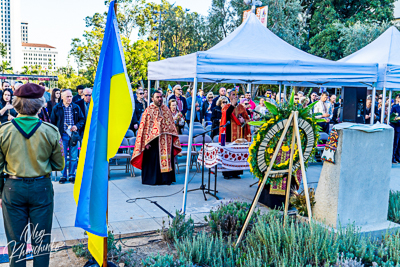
(293, 120)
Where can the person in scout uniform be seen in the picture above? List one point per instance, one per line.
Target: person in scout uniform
(29, 151)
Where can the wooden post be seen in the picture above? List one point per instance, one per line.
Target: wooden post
(293, 120)
(303, 169)
(261, 186)
(289, 179)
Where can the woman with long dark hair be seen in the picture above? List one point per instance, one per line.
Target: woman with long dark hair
(54, 100)
(7, 111)
(217, 114)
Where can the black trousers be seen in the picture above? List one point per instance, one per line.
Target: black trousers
(396, 146)
(151, 169)
(324, 126)
(28, 203)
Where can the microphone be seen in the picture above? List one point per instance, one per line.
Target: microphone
(223, 126)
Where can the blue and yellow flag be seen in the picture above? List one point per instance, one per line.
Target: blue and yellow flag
(108, 120)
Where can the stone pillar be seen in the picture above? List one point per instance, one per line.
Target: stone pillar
(356, 188)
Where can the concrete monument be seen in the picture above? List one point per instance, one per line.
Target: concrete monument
(355, 189)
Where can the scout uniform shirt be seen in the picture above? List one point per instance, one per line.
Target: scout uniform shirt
(37, 143)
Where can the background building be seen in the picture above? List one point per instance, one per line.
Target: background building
(11, 31)
(24, 32)
(14, 34)
(40, 55)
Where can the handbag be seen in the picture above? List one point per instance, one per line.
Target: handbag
(73, 141)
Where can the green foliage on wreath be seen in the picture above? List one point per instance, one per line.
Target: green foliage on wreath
(276, 114)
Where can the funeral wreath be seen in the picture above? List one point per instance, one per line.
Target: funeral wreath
(270, 130)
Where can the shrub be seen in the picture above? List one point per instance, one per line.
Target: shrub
(300, 244)
(179, 228)
(342, 261)
(298, 200)
(81, 251)
(229, 218)
(208, 250)
(394, 206)
(164, 261)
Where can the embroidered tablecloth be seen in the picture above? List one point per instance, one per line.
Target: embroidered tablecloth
(229, 157)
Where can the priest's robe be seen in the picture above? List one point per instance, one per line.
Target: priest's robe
(156, 146)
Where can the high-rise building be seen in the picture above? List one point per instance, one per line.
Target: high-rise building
(11, 31)
(40, 55)
(14, 34)
(24, 32)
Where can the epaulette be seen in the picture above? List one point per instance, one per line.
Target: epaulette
(51, 125)
(6, 123)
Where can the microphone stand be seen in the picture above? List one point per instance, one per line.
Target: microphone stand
(203, 186)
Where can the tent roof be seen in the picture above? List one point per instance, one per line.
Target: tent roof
(253, 54)
(385, 51)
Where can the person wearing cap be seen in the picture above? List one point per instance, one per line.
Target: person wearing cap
(79, 96)
(29, 151)
(69, 119)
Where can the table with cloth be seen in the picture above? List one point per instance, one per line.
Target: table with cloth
(223, 158)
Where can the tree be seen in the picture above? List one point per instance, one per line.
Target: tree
(137, 57)
(5, 67)
(72, 81)
(182, 32)
(284, 19)
(358, 35)
(326, 15)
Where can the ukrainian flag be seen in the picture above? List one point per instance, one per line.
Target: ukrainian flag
(109, 117)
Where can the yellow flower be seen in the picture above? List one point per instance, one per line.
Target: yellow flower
(276, 118)
(285, 148)
(270, 150)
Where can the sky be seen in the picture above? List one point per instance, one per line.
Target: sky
(397, 9)
(57, 22)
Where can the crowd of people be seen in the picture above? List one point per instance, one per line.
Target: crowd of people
(69, 113)
(65, 111)
(209, 108)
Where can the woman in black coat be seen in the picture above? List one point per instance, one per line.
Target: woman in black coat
(54, 100)
(217, 114)
(206, 108)
(7, 111)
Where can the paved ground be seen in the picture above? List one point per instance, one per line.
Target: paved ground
(142, 215)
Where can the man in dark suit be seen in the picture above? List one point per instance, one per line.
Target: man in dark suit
(78, 97)
(222, 92)
(396, 126)
(84, 105)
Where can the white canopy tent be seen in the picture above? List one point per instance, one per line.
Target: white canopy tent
(385, 51)
(253, 54)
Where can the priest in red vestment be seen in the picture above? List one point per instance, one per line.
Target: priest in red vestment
(237, 115)
(157, 144)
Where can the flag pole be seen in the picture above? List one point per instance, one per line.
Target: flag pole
(105, 246)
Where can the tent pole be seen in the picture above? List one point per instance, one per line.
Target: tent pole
(389, 106)
(383, 104)
(148, 93)
(373, 104)
(284, 91)
(280, 92)
(336, 91)
(189, 153)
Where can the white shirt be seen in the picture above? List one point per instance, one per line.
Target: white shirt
(324, 108)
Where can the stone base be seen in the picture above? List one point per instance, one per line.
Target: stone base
(379, 230)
